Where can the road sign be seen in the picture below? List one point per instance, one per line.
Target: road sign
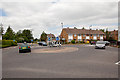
(49, 39)
(57, 38)
(63, 38)
(31, 40)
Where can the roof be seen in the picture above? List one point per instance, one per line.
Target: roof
(114, 32)
(82, 31)
(50, 35)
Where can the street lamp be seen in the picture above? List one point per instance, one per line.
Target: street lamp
(62, 25)
(62, 29)
(89, 32)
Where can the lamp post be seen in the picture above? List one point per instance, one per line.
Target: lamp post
(62, 29)
(89, 32)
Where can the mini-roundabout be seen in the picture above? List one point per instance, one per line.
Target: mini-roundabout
(55, 50)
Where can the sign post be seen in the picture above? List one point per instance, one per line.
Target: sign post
(57, 38)
(14, 40)
(49, 41)
(32, 41)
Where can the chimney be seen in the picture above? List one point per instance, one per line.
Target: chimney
(67, 27)
(75, 28)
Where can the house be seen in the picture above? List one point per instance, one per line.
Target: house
(114, 34)
(51, 37)
(69, 34)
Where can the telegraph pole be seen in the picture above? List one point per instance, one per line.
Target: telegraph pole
(62, 29)
(89, 32)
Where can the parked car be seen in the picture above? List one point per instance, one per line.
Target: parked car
(93, 42)
(57, 44)
(24, 48)
(42, 43)
(100, 44)
(54, 44)
(107, 43)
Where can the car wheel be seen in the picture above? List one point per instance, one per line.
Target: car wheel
(29, 50)
(20, 51)
(95, 47)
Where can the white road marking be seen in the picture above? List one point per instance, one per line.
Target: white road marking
(118, 63)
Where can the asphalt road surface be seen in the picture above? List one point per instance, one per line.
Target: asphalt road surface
(86, 62)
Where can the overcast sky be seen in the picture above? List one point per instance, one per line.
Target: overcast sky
(40, 16)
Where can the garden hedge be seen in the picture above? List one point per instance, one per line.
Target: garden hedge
(8, 43)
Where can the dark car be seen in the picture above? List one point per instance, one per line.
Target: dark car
(93, 42)
(24, 48)
(107, 43)
(42, 43)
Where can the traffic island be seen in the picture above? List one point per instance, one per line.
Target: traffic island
(56, 50)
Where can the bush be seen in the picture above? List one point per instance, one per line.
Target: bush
(66, 42)
(81, 42)
(73, 41)
(7, 43)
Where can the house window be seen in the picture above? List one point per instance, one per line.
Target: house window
(79, 39)
(70, 36)
(87, 35)
(94, 34)
(101, 35)
(69, 40)
(83, 35)
(74, 35)
(98, 35)
(79, 34)
(91, 35)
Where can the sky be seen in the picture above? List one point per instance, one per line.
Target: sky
(47, 15)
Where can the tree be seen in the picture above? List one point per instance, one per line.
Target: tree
(1, 29)
(43, 36)
(35, 39)
(107, 34)
(102, 30)
(83, 28)
(9, 35)
(19, 36)
(75, 27)
(27, 35)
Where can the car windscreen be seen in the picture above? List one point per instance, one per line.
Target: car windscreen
(43, 43)
(24, 44)
(100, 43)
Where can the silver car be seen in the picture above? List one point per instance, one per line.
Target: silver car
(100, 44)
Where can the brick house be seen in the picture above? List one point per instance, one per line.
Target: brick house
(51, 36)
(114, 34)
(69, 34)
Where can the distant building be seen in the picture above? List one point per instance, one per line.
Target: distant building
(69, 34)
(114, 34)
(51, 37)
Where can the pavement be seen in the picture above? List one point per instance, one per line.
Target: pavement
(86, 62)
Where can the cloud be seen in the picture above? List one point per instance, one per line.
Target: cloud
(46, 16)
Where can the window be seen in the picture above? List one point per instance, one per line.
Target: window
(69, 40)
(74, 35)
(94, 34)
(98, 35)
(101, 35)
(79, 39)
(70, 36)
(83, 35)
(79, 34)
(87, 35)
(91, 35)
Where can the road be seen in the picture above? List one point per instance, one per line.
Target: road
(86, 62)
